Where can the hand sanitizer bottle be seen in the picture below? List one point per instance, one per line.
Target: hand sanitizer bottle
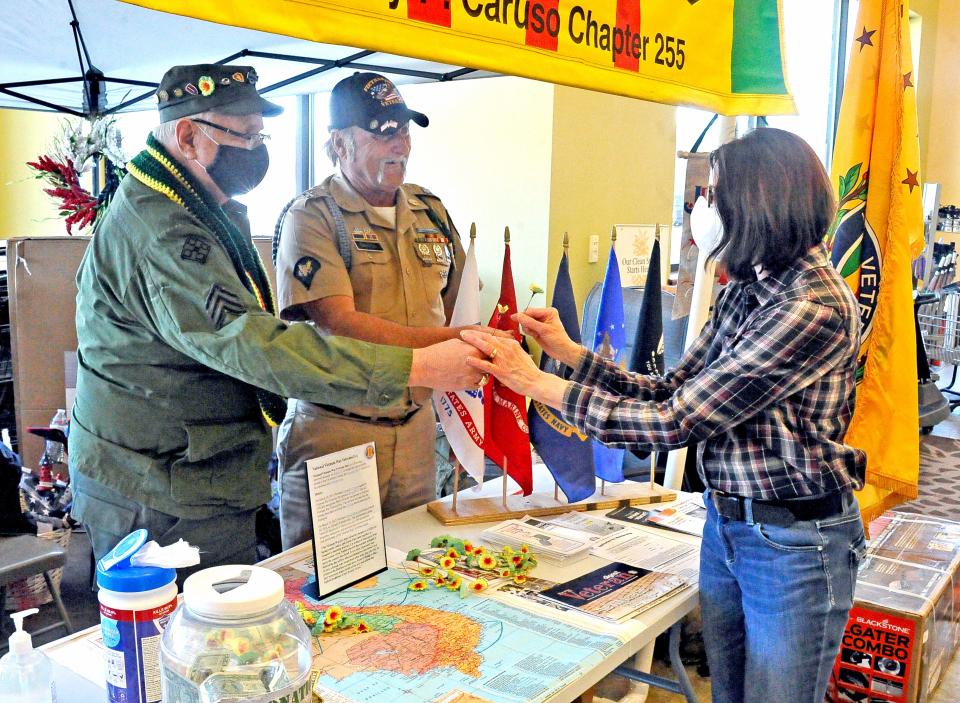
(26, 675)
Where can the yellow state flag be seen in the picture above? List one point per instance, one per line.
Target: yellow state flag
(877, 232)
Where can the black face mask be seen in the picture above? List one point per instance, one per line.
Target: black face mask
(237, 171)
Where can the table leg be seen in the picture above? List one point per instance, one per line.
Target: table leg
(682, 683)
(586, 696)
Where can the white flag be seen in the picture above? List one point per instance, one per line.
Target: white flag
(461, 413)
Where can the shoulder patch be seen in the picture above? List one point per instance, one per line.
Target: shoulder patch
(221, 305)
(305, 269)
(195, 248)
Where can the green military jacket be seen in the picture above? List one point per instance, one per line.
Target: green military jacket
(171, 345)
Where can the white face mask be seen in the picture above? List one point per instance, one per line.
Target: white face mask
(705, 225)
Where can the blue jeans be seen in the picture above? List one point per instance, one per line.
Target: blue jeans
(774, 602)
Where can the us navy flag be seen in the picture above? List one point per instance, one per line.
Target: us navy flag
(565, 451)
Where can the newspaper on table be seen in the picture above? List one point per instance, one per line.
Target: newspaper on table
(654, 552)
(576, 525)
(615, 592)
(553, 547)
(688, 516)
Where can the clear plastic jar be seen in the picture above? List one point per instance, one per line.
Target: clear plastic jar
(234, 637)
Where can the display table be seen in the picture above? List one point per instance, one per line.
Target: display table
(415, 528)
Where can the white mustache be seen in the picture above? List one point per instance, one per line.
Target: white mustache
(402, 161)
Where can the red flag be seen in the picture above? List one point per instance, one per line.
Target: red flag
(506, 432)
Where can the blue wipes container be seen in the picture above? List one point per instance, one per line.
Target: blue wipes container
(135, 604)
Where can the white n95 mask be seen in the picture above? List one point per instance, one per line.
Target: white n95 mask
(705, 226)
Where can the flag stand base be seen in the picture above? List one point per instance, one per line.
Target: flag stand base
(475, 510)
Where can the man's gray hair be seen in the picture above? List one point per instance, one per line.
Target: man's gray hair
(349, 143)
(166, 132)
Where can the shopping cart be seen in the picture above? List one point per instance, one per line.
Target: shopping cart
(938, 328)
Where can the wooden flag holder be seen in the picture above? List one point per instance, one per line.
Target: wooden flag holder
(468, 511)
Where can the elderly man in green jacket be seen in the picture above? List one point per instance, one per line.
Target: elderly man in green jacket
(182, 362)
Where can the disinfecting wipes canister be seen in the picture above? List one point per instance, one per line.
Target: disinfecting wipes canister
(135, 604)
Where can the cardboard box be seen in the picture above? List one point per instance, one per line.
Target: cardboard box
(903, 628)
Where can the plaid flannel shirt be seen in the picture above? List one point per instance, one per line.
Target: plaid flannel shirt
(767, 389)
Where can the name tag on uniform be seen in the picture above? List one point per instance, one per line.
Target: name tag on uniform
(366, 240)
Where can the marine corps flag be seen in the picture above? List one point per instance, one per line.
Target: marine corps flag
(877, 232)
(506, 433)
(565, 451)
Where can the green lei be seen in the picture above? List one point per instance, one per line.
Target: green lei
(157, 170)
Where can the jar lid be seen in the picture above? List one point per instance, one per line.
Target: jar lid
(114, 572)
(233, 592)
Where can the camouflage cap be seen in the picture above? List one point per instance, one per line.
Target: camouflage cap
(231, 90)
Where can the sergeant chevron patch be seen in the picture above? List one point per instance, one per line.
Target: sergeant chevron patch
(222, 303)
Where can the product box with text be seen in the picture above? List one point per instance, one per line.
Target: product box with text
(903, 628)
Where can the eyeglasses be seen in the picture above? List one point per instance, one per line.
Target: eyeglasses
(711, 195)
(252, 140)
(401, 132)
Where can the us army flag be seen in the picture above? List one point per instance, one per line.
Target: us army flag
(461, 413)
(877, 232)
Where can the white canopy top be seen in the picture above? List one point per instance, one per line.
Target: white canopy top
(134, 44)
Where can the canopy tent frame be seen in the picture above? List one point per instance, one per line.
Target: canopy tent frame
(94, 94)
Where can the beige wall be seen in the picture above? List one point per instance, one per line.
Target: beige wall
(25, 210)
(613, 162)
(939, 99)
(487, 153)
(928, 11)
(544, 160)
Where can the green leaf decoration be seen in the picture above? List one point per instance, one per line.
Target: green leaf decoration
(850, 180)
(464, 590)
(438, 542)
(413, 554)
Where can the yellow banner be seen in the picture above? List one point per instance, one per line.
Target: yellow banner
(877, 233)
(723, 55)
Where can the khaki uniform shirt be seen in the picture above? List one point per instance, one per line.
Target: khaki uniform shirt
(407, 273)
(171, 346)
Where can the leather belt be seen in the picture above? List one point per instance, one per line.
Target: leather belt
(778, 512)
(384, 421)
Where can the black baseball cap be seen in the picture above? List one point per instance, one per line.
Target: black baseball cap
(231, 90)
(373, 103)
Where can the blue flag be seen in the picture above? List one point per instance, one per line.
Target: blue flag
(566, 452)
(608, 342)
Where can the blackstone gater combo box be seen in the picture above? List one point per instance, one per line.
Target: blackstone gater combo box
(904, 626)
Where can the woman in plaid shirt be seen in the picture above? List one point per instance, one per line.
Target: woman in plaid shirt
(766, 391)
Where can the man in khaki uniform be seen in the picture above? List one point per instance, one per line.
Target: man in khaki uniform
(367, 256)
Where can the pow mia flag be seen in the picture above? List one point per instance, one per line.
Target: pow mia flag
(222, 303)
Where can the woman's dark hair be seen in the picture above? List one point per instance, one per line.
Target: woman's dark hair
(774, 199)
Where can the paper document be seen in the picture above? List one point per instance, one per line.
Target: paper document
(348, 542)
(652, 552)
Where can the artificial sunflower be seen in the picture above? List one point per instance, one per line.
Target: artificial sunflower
(333, 615)
(418, 585)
